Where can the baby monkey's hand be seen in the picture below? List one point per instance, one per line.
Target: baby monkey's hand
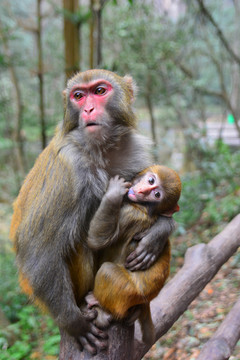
(117, 188)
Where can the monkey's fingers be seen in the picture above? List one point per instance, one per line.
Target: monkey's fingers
(134, 259)
(98, 333)
(86, 345)
(147, 262)
(101, 344)
(140, 262)
(94, 340)
(127, 184)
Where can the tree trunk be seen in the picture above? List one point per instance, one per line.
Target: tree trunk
(71, 39)
(40, 76)
(148, 97)
(95, 37)
(91, 36)
(19, 161)
(99, 37)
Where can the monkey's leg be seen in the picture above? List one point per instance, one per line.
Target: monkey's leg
(145, 319)
(118, 289)
(114, 289)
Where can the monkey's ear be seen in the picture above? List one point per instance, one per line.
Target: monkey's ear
(132, 87)
(64, 95)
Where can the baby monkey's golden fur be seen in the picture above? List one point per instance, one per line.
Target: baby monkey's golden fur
(116, 288)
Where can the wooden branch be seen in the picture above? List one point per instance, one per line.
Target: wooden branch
(201, 264)
(121, 345)
(221, 345)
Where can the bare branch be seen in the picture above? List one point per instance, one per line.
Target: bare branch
(199, 89)
(220, 34)
(221, 345)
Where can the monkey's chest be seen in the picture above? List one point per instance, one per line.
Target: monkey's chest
(132, 224)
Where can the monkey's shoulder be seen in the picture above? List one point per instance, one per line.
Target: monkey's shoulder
(131, 156)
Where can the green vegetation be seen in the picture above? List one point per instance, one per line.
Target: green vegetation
(30, 335)
(211, 194)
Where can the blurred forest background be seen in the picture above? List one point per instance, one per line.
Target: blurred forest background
(185, 58)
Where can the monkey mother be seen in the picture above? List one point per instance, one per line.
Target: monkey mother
(96, 140)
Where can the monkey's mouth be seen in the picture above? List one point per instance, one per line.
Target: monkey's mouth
(131, 195)
(92, 126)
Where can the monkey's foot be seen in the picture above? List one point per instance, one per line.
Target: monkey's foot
(91, 300)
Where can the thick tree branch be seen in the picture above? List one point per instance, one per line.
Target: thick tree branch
(221, 345)
(220, 34)
(202, 262)
(121, 345)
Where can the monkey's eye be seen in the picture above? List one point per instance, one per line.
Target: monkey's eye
(151, 180)
(100, 90)
(78, 95)
(157, 194)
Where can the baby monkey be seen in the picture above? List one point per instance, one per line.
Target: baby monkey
(115, 231)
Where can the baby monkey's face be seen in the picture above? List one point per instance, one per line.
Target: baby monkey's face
(146, 189)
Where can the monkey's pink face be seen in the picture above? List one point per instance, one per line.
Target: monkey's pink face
(91, 100)
(146, 189)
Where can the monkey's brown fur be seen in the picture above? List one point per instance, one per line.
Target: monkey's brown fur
(61, 194)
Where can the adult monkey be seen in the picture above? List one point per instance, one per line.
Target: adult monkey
(96, 140)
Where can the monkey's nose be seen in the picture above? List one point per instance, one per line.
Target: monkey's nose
(89, 110)
(143, 190)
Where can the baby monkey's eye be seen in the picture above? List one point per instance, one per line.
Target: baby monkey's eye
(100, 90)
(151, 180)
(157, 194)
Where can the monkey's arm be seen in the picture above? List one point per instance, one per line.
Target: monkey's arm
(151, 244)
(104, 227)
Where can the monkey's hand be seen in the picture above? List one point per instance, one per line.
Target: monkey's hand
(151, 244)
(89, 336)
(103, 318)
(117, 188)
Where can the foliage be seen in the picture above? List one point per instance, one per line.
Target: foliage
(36, 334)
(211, 193)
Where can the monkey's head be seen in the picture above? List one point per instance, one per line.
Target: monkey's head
(98, 104)
(159, 187)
